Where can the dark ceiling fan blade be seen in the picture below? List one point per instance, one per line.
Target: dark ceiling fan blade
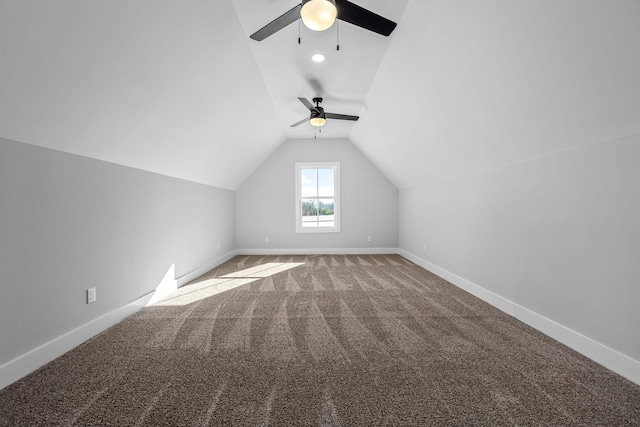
(277, 24)
(306, 119)
(341, 116)
(308, 104)
(356, 15)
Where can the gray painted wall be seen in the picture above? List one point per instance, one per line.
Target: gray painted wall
(265, 202)
(68, 223)
(557, 234)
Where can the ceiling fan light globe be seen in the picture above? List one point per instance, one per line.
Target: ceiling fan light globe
(319, 15)
(317, 121)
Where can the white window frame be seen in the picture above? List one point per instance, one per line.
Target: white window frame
(336, 190)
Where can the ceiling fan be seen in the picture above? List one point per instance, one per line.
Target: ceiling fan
(318, 117)
(319, 15)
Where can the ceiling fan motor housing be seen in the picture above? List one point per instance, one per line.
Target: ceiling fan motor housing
(319, 111)
(317, 116)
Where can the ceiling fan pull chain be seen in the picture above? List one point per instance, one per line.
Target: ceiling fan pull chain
(337, 34)
(299, 30)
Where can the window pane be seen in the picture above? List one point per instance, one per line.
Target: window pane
(318, 197)
(309, 182)
(326, 216)
(325, 182)
(309, 213)
(325, 207)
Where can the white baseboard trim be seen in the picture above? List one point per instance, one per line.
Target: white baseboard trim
(319, 251)
(611, 359)
(21, 366)
(494, 299)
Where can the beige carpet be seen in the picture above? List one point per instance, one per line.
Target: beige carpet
(321, 340)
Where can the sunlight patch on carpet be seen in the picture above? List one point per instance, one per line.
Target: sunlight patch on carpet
(207, 288)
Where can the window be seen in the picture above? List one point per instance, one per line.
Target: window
(318, 197)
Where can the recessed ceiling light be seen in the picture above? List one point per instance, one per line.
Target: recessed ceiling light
(317, 57)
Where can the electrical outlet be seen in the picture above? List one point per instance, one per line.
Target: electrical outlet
(424, 248)
(218, 245)
(266, 239)
(368, 238)
(91, 295)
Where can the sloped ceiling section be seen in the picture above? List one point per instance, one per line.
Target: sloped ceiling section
(470, 85)
(343, 79)
(168, 87)
(177, 87)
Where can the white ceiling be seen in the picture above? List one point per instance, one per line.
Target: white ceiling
(469, 85)
(166, 86)
(178, 88)
(343, 79)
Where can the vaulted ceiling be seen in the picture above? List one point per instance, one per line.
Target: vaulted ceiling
(178, 88)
